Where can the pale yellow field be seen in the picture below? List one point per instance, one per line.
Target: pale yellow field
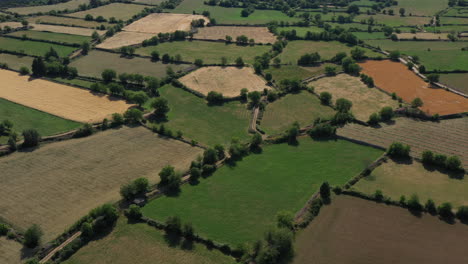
(58, 183)
(57, 99)
(10, 251)
(124, 38)
(163, 23)
(118, 10)
(11, 24)
(259, 34)
(66, 30)
(72, 4)
(422, 35)
(365, 100)
(226, 80)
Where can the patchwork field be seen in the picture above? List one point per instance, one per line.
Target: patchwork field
(67, 30)
(124, 38)
(60, 100)
(302, 107)
(297, 72)
(12, 25)
(366, 35)
(70, 5)
(27, 118)
(421, 7)
(394, 77)
(422, 35)
(57, 37)
(118, 10)
(456, 81)
(397, 179)
(238, 204)
(208, 125)
(164, 23)
(396, 20)
(365, 100)
(69, 21)
(210, 52)
(16, 62)
(259, 34)
(34, 48)
(295, 49)
(226, 80)
(67, 179)
(96, 62)
(300, 31)
(446, 137)
(378, 233)
(140, 243)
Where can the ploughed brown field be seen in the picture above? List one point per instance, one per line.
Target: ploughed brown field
(356, 231)
(259, 34)
(394, 77)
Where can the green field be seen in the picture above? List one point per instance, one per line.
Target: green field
(396, 20)
(454, 20)
(57, 37)
(96, 62)
(302, 107)
(34, 48)
(16, 62)
(209, 52)
(366, 35)
(206, 124)
(454, 28)
(395, 179)
(327, 49)
(24, 117)
(143, 244)
(117, 10)
(456, 80)
(238, 204)
(301, 31)
(75, 81)
(420, 7)
(297, 72)
(433, 55)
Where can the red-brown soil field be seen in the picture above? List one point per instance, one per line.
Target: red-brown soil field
(394, 77)
(356, 231)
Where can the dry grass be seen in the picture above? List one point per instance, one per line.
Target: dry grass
(357, 231)
(67, 30)
(11, 252)
(58, 183)
(226, 80)
(73, 4)
(57, 99)
(365, 100)
(163, 23)
(124, 38)
(11, 24)
(117, 10)
(422, 35)
(70, 21)
(259, 34)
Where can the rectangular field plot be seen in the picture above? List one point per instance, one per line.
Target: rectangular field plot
(67, 21)
(12, 252)
(327, 49)
(96, 62)
(300, 31)
(57, 99)
(57, 37)
(395, 77)
(445, 137)
(163, 23)
(396, 20)
(365, 100)
(209, 52)
(124, 38)
(87, 32)
(72, 4)
(397, 179)
(118, 10)
(457, 81)
(34, 48)
(259, 34)
(58, 183)
(367, 232)
(238, 204)
(297, 72)
(12, 25)
(16, 62)
(423, 35)
(302, 107)
(209, 125)
(143, 244)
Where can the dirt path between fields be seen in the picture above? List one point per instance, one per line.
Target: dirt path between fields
(64, 244)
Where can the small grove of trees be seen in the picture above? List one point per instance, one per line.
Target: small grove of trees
(31, 138)
(369, 81)
(417, 102)
(394, 55)
(398, 150)
(451, 163)
(138, 187)
(385, 114)
(322, 130)
(215, 98)
(32, 236)
(350, 66)
(309, 59)
(433, 77)
(161, 107)
(170, 178)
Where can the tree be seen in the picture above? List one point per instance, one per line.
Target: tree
(343, 105)
(161, 107)
(240, 62)
(378, 195)
(195, 173)
(87, 230)
(210, 156)
(254, 97)
(322, 130)
(440, 159)
(402, 11)
(462, 213)
(85, 48)
(417, 102)
(427, 157)
(24, 70)
(292, 132)
(386, 113)
(139, 98)
(116, 89)
(395, 55)
(108, 75)
(134, 212)
(188, 231)
(358, 53)
(285, 219)
(398, 150)
(330, 70)
(433, 77)
(173, 224)
(325, 191)
(325, 98)
(166, 58)
(214, 98)
(453, 163)
(166, 173)
(199, 62)
(413, 203)
(445, 211)
(32, 236)
(31, 138)
(430, 207)
(12, 143)
(374, 119)
(255, 141)
(154, 56)
(353, 9)
(38, 67)
(133, 116)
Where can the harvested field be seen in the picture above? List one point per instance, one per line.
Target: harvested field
(456, 81)
(143, 244)
(118, 10)
(12, 25)
(259, 34)
(422, 35)
(93, 64)
(302, 107)
(66, 30)
(353, 230)
(34, 48)
(57, 37)
(395, 77)
(446, 137)
(297, 72)
(68, 21)
(12, 252)
(16, 62)
(163, 23)
(57, 99)
(124, 38)
(397, 179)
(237, 204)
(149, 2)
(58, 183)
(365, 100)
(226, 80)
(70, 5)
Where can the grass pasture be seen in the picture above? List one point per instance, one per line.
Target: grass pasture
(68, 21)
(301, 31)
(68, 178)
(86, 32)
(16, 62)
(209, 52)
(420, 7)
(96, 62)
(238, 204)
(297, 72)
(396, 20)
(397, 179)
(353, 230)
(365, 100)
(456, 81)
(70, 5)
(142, 244)
(34, 48)
(12, 25)
(367, 36)
(208, 125)
(57, 37)
(302, 107)
(118, 10)
(423, 35)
